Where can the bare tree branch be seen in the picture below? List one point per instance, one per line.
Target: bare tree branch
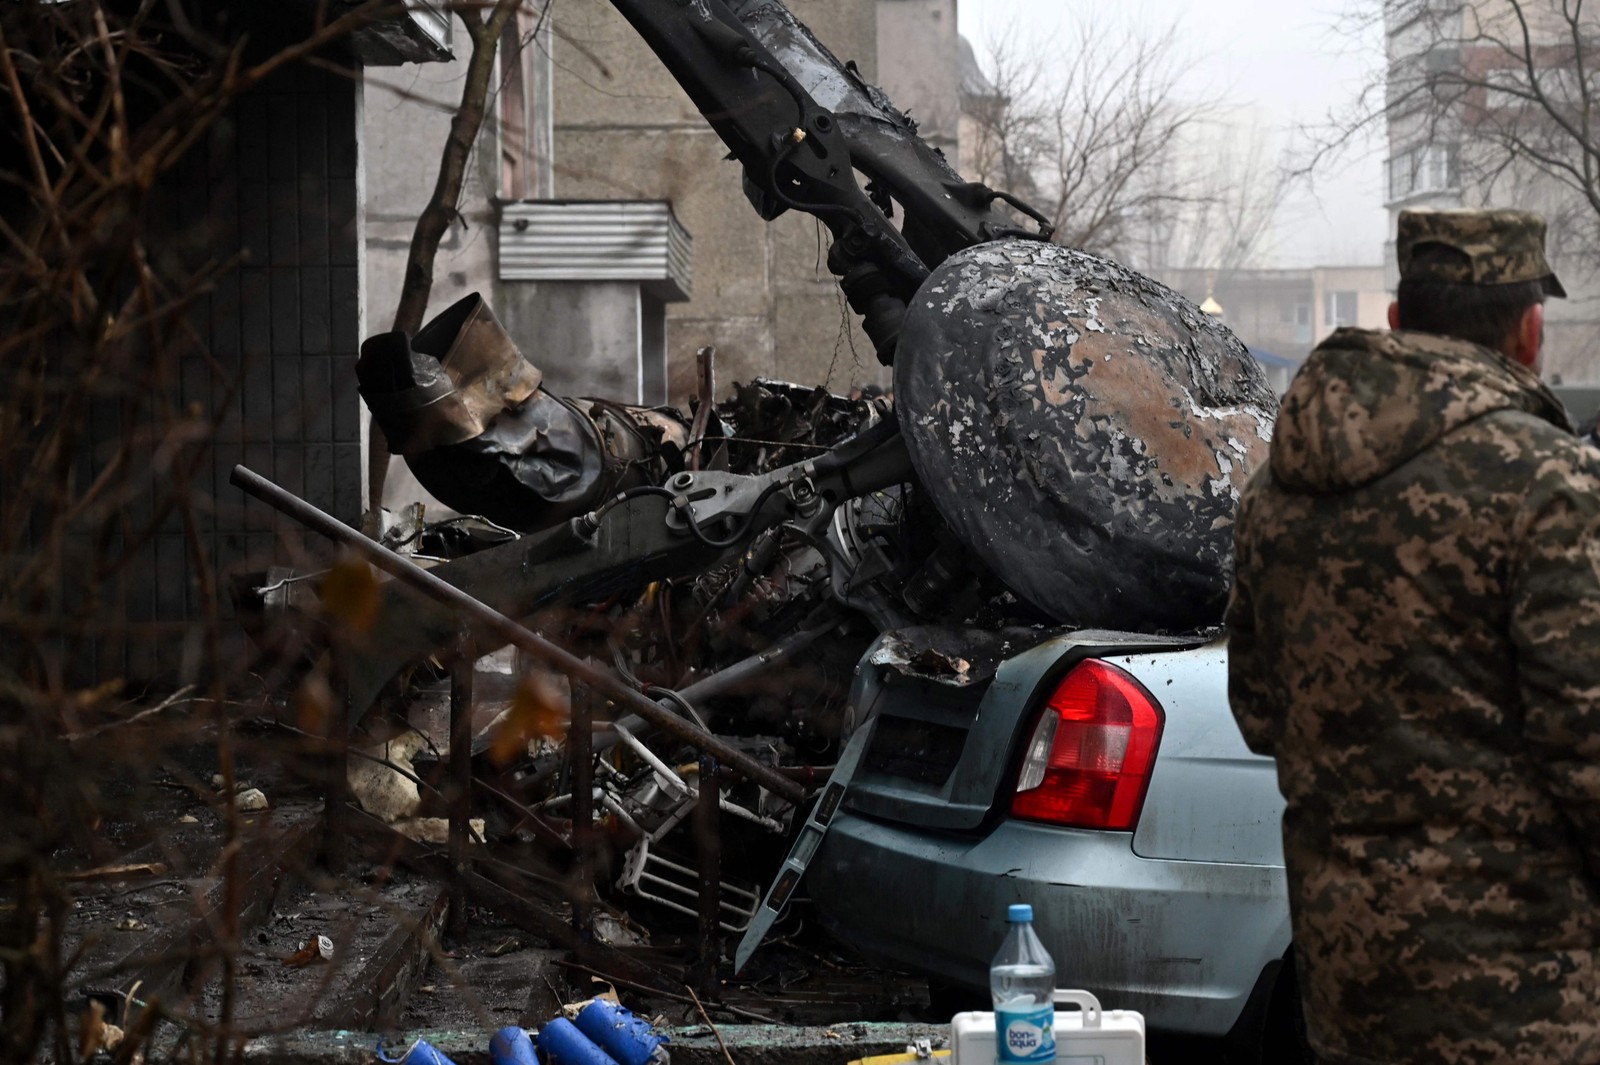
(485, 31)
(1106, 143)
(1504, 95)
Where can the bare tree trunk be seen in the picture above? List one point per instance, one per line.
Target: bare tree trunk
(434, 221)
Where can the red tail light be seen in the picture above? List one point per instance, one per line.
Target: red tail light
(1088, 762)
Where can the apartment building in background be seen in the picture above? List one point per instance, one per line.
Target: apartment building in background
(1457, 82)
(1282, 314)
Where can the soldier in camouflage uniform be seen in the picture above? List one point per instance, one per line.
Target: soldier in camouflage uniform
(1415, 637)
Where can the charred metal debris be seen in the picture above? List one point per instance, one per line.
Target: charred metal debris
(687, 598)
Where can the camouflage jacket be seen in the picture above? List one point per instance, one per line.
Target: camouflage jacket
(1415, 636)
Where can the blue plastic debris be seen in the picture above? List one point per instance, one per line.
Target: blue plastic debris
(511, 1046)
(563, 1044)
(628, 1039)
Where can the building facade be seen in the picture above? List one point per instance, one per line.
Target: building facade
(1282, 314)
(602, 220)
(267, 206)
(1465, 126)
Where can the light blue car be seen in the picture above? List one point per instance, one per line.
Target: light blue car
(1101, 778)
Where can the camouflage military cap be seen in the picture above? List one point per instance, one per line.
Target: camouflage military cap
(1500, 247)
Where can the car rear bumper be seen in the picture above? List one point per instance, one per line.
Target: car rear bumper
(1181, 942)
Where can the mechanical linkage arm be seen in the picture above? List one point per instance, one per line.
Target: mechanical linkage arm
(802, 125)
(642, 535)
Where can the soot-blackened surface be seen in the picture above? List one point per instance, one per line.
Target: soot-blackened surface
(1084, 430)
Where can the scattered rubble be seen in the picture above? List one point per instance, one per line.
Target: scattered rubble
(317, 948)
(705, 586)
(251, 800)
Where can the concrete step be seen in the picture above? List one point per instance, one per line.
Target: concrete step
(383, 934)
(748, 1044)
(164, 933)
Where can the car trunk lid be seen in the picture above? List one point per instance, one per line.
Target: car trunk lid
(950, 708)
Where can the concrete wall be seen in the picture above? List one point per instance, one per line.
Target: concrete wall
(1367, 282)
(405, 123)
(624, 130)
(587, 336)
(271, 357)
(919, 66)
(620, 128)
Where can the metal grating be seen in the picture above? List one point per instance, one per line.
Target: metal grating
(609, 240)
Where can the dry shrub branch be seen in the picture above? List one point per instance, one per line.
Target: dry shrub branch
(106, 455)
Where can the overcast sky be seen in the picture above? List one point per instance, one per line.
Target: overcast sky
(1285, 62)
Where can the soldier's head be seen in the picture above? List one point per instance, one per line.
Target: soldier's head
(1479, 276)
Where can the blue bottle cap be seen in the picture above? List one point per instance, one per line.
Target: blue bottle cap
(1019, 912)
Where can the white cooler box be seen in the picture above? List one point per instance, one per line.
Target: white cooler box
(1086, 1036)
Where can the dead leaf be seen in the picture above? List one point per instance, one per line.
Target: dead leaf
(91, 1029)
(313, 704)
(571, 1010)
(538, 710)
(504, 947)
(94, 1034)
(89, 698)
(351, 593)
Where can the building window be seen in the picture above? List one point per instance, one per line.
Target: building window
(1338, 309)
(1424, 168)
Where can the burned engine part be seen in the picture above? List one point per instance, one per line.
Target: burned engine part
(943, 584)
(1084, 431)
(943, 212)
(466, 410)
(448, 383)
(771, 423)
(410, 533)
(467, 609)
(635, 538)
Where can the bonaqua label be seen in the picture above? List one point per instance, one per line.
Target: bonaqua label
(1026, 1035)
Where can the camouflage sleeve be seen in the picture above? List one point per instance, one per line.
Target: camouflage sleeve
(1555, 627)
(1248, 674)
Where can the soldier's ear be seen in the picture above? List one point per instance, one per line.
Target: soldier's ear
(1527, 343)
(1394, 315)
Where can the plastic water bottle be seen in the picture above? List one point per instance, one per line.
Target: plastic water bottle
(1022, 979)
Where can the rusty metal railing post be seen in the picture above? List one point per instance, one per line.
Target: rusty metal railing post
(708, 839)
(492, 621)
(334, 850)
(580, 755)
(462, 671)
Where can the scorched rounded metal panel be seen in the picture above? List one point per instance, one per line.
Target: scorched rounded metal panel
(1084, 430)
